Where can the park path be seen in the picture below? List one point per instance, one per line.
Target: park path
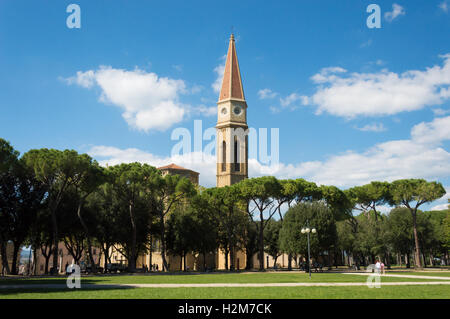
(221, 285)
(399, 276)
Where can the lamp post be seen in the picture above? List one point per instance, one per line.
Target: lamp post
(306, 230)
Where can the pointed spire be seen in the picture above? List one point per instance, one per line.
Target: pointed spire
(231, 83)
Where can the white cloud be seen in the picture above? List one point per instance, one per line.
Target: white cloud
(440, 207)
(291, 102)
(374, 127)
(83, 79)
(440, 112)
(327, 74)
(383, 93)
(443, 6)
(292, 98)
(432, 132)
(205, 110)
(148, 101)
(397, 10)
(266, 94)
(388, 161)
(442, 203)
(219, 70)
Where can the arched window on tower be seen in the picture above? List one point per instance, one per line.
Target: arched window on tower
(224, 156)
(237, 167)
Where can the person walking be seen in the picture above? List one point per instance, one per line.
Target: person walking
(377, 266)
(382, 268)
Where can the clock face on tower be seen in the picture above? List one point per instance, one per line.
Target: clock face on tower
(224, 111)
(237, 110)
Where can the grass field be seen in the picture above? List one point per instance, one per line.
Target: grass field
(363, 292)
(390, 292)
(422, 273)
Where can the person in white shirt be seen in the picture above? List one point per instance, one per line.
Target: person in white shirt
(378, 267)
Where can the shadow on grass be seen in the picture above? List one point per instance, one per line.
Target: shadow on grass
(64, 291)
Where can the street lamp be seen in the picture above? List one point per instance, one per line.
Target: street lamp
(306, 230)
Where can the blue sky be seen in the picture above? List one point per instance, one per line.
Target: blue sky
(353, 104)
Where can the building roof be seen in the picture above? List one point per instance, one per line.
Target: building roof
(175, 167)
(231, 83)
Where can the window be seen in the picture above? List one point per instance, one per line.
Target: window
(224, 156)
(237, 167)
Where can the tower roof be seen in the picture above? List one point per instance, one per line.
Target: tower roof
(231, 83)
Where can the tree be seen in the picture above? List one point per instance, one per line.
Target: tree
(8, 159)
(88, 178)
(339, 203)
(57, 170)
(367, 197)
(400, 231)
(70, 229)
(104, 207)
(207, 227)
(261, 192)
(129, 183)
(412, 193)
(370, 238)
(21, 196)
(271, 239)
(250, 241)
(347, 231)
(180, 234)
(167, 192)
(319, 216)
(226, 203)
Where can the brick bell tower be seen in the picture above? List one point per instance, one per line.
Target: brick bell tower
(232, 144)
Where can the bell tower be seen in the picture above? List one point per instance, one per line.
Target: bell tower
(232, 140)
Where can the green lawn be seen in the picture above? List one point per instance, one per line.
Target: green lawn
(282, 277)
(385, 292)
(421, 273)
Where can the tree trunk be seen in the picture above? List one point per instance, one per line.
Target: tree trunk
(16, 247)
(290, 261)
(132, 259)
(249, 259)
(89, 250)
(226, 258)
(35, 261)
(151, 253)
(107, 258)
(55, 243)
(47, 261)
(261, 242)
(388, 260)
(204, 261)
(416, 240)
(163, 243)
(5, 266)
(232, 257)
